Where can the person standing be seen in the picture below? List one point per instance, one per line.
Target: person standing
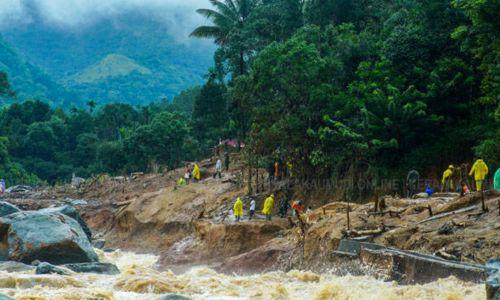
(2, 186)
(226, 160)
(238, 209)
(218, 168)
(496, 180)
(187, 174)
(412, 183)
(196, 172)
(270, 170)
(252, 209)
(297, 207)
(283, 206)
(447, 181)
(267, 210)
(480, 170)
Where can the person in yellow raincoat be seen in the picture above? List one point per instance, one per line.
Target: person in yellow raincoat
(480, 170)
(447, 181)
(267, 210)
(181, 182)
(238, 209)
(196, 172)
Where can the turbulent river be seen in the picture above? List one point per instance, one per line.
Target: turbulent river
(139, 280)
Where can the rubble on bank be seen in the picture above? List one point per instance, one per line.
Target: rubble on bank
(193, 225)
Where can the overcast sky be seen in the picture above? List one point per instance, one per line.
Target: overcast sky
(76, 14)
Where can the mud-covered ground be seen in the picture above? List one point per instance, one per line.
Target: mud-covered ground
(192, 225)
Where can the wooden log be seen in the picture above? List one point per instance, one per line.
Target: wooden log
(369, 232)
(123, 203)
(436, 217)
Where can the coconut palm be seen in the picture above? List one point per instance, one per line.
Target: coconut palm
(228, 20)
(227, 16)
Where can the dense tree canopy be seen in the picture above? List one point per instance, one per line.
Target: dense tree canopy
(393, 85)
(337, 88)
(37, 141)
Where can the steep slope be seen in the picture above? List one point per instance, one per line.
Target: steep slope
(29, 82)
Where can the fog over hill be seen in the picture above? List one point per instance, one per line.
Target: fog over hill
(152, 56)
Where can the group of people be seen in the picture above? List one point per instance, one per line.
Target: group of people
(194, 171)
(479, 170)
(456, 175)
(268, 207)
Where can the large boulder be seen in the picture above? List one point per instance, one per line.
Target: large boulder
(46, 236)
(71, 212)
(6, 208)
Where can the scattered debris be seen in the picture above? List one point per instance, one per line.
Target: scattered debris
(19, 189)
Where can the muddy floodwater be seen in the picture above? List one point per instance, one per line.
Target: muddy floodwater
(139, 280)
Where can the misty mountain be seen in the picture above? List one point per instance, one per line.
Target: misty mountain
(131, 57)
(31, 82)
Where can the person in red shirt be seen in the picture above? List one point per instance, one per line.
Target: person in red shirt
(298, 207)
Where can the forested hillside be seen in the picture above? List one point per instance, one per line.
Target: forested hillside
(339, 89)
(30, 81)
(105, 61)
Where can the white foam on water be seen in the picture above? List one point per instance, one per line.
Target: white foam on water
(138, 280)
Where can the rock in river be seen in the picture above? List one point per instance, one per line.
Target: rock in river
(47, 236)
(71, 212)
(6, 208)
(95, 267)
(46, 268)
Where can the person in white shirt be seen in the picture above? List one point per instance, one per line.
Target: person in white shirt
(218, 168)
(252, 209)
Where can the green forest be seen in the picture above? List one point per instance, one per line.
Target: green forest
(337, 88)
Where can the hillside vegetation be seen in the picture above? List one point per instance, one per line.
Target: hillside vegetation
(96, 62)
(113, 65)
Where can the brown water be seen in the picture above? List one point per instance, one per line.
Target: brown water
(138, 280)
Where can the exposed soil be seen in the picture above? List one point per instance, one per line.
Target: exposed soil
(191, 225)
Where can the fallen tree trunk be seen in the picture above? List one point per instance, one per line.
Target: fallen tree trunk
(436, 217)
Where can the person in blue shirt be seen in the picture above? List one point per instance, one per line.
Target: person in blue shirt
(429, 190)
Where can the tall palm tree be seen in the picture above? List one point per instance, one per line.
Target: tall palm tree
(227, 15)
(228, 18)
